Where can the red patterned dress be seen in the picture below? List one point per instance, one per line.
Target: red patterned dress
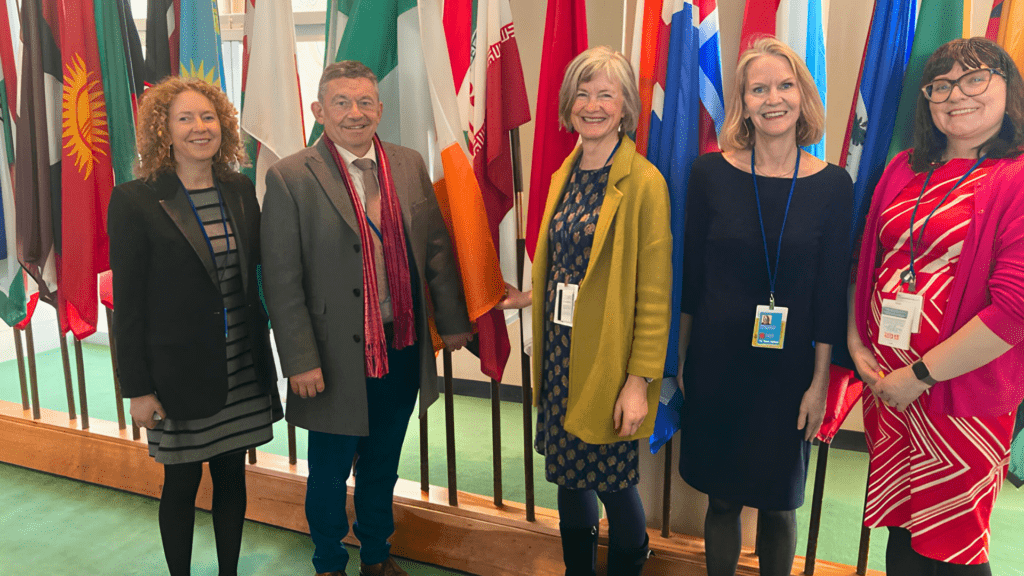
(933, 474)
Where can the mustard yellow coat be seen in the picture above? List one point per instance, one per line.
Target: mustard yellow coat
(622, 315)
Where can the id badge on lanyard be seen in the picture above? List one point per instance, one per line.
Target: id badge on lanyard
(565, 303)
(770, 320)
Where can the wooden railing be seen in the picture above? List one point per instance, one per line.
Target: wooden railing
(681, 553)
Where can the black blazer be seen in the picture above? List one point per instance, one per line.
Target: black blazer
(168, 311)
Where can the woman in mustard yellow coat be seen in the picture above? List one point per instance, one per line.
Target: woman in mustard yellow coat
(603, 275)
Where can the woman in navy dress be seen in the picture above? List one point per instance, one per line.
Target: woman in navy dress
(766, 262)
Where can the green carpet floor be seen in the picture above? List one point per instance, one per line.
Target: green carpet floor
(28, 524)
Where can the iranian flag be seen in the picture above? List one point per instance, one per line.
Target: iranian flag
(403, 43)
(86, 173)
(271, 101)
(492, 102)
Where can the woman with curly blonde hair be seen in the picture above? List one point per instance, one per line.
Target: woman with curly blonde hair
(191, 335)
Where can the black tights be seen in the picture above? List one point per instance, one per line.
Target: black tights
(627, 524)
(178, 511)
(901, 559)
(723, 538)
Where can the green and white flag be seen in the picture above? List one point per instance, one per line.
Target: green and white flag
(385, 35)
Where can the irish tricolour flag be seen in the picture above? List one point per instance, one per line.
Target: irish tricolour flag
(403, 42)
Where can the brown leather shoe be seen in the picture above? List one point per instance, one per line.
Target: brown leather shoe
(386, 568)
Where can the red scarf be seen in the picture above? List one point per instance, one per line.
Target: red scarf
(396, 262)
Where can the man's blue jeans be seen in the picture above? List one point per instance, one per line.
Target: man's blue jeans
(390, 402)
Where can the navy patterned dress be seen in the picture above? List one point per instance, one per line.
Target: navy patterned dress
(569, 461)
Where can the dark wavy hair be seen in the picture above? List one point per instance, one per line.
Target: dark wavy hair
(153, 137)
(929, 142)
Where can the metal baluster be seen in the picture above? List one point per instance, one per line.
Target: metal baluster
(666, 495)
(293, 458)
(65, 357)
(117, 379)
(816, 502)
(33, 380)
(424, 452)
(80, 364)
(496, 439)
(525, 365)
(449, 417)
(20, 353)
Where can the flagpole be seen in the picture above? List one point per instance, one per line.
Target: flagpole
(527, 389)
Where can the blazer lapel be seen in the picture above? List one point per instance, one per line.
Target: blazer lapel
(326, 172)
(177, 206)
(236, 214)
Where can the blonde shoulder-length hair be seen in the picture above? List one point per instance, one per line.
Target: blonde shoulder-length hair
(583, 68)
(738, 130)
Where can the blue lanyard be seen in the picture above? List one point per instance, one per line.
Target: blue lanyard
(773, 275)
(209, 244)
(576, 167)
(910, 275)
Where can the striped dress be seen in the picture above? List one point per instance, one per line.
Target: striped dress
(935, 475)
(245, 421)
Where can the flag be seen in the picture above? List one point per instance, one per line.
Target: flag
(873, 117)
(86, 172)
(938, 22)
(803, 30)
(37, 187)
(458, 30)
(844, 390)
(712, 101)
(162, 39)
(493, 101)
(12, 284)
(565, 36)
(674, 139)
(134, 60)
(404, 44)
(9, 81)
(758, 21)
(992, 29)
(271, 102)
(1011, 30)
(200, 55)
(117, 87)
(649, 56)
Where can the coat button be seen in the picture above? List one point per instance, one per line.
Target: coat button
(355, 247)
(357, 292)
(357, 338)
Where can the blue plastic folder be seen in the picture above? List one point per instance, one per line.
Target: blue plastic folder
(670, 411)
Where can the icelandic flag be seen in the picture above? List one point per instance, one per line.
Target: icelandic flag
(802, 29)
(673, 144)
(712, 103)
(200, 54)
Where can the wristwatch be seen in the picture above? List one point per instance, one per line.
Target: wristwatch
(922, 374)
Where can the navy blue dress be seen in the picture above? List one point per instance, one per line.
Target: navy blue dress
(739, 441)
(569, 461)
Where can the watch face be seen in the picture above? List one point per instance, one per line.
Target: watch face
(920, 370)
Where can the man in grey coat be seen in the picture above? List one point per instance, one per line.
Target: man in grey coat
(353, 242)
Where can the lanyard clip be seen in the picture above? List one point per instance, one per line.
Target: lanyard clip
(771, 301)
(910, 279)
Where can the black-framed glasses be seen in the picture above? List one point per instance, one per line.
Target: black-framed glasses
(971, 84)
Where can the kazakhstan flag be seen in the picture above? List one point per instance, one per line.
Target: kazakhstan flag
(200, 53)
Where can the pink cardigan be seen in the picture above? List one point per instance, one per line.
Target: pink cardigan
(989, 284)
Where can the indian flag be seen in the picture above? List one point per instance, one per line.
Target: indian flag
(403, 42)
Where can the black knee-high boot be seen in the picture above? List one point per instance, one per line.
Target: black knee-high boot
(628, 562)
(579, 550)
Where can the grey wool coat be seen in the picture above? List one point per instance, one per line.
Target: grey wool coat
(313, 280)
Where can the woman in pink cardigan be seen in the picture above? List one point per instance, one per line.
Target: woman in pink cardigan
(938, 314)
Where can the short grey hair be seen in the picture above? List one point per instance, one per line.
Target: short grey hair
(583, 68)
(345, 69)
